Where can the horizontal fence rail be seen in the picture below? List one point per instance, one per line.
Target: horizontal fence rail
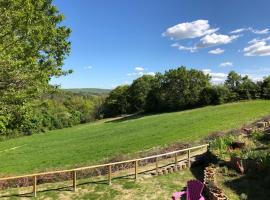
(109, 165)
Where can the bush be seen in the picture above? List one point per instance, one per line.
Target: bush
(220, 145)
(214, 95)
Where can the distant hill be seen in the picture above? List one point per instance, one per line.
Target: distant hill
(89, 91)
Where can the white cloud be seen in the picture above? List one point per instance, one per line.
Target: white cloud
(263, 31)
(88, 67)
(132, 74)
(181, 47)
(216, 39)
(150, 73)
(226, 64)
(216, 77)
(186, 30)
(255, 31)
(139, 69)
(257, 48)
(216, 51)
(238, 30)
(208, 41)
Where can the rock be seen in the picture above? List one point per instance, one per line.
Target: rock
(262, 124)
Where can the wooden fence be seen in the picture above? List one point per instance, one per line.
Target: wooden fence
(109, 166)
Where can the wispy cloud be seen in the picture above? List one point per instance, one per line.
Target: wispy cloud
(217, 51)
(240, 30)
(226, 64)
(181, 47)
(88, 67)
(255, 31)
(140, 71)
(263, 31)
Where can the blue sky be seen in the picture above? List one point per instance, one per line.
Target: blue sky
(116, 41)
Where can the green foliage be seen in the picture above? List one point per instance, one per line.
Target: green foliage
(33, 45)
(257, 135)
(138, 92)
(265, 88)
(220, 145)
(216, 94)
(117, 102)
(176, 89)
(241, 87)
(89, 91)
(182, 88)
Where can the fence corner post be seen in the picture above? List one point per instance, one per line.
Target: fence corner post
(157, 165)
(74, 180)
(189, 158)
(110, 174)
(136, 169)
(35, 186)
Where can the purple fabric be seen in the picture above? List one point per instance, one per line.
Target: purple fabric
(193, 192)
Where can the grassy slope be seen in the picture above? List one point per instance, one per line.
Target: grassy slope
(94, 142)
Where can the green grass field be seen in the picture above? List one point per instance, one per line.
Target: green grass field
(125, 188)
(96, 142)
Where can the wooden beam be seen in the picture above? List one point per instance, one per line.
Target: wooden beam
(175, 158)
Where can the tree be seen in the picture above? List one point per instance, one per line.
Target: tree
(182, 87)
(265, 88)
(216, 94)
(33, 45)
(241, 87)
(117, 102)
(248, 89)
(138, 92)
(155, 97)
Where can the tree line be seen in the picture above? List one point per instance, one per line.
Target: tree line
(179, 89)
(33, 46)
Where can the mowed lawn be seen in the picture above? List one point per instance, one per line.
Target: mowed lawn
(97, 142)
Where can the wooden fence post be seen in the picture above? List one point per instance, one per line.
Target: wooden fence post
(189, 158)
(157, 164)
(35, 186)
(136, 169)
(110, 174)
(175, 159)
(74, 180)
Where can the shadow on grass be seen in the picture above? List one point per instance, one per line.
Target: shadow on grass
(254, 186)
(126, 118)
(197, 167)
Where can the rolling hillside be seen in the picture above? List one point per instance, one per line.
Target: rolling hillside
(89, 91)
(96, 142)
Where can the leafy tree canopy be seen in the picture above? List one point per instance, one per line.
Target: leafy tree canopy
(33, 45)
